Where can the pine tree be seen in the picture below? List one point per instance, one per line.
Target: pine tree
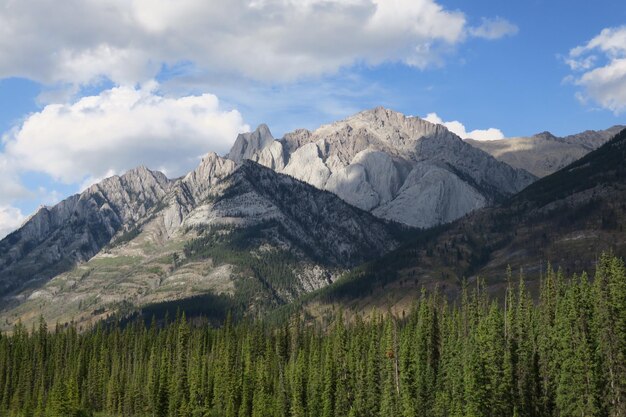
(389, 404)
(576, 389)
(609, 329)
(564, 355)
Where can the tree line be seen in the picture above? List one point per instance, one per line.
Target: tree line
(559, 353)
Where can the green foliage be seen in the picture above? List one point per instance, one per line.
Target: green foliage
(126, 237)
(273, 270)
(564, 355)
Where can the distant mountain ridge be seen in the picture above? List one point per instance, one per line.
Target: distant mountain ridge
(543, 153)
(397, 167)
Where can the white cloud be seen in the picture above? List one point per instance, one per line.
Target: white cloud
(458, 129)
(494, 28)
(119, 129)
(11, 187)
(127, 41)
(10, 219)
(600, 69)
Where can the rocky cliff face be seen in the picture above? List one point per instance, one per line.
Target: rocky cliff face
(55, 238)
(399, 168)
(544, 153)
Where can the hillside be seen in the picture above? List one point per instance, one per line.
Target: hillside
(56, 238)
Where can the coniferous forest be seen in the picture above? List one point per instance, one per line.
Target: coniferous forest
(561, 352)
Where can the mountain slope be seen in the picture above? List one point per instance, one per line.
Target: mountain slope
(544, 153)
(246, 233)
(567, 218)
(54, 239)
(399, 168)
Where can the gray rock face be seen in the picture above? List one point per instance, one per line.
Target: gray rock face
(307, 165)
(193, 189)
(258, 146)
(399, 168)
(433, 195)
(74, 230)
(250, 144)
(544, 153)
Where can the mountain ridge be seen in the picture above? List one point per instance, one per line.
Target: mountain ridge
(381, 161)
(78, 227)
(545, 153)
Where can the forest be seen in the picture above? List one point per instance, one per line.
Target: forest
(556, 351)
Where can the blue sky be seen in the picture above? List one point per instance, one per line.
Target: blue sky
(92, 88)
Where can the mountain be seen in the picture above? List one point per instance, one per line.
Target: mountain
(544, 153)
(54, 239)
(568, 218)
(244, 235)
(397, 167)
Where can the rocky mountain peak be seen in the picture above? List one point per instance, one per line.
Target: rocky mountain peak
(249, 143)
(136, 180)
(387, 126)
(77, 228)
(367, 160)
(545, 135)
(211, 169)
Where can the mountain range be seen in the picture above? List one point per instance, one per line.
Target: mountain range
(376, 203)
(543, 153)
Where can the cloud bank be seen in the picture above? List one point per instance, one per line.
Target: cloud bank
(119, 129)
(128, 41)
(458, 129)
(599, 68)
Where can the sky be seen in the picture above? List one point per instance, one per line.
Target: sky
(92, 88)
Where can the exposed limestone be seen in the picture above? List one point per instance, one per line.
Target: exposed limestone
(366, 160)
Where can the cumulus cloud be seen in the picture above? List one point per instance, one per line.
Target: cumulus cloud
(10, 219)
(599, 68)
(128, 41)
(121, 128)
(494, 28)
(458, 129)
